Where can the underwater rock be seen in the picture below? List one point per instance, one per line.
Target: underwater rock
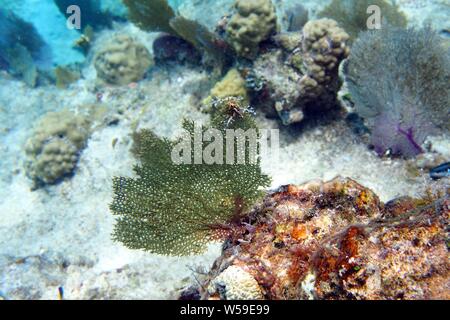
(169, 48)
(253, 22)
(303, 73)
(53, 149)
(402, 103)
(122, 60)
(336, 240)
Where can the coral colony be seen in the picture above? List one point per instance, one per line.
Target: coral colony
(269, 91)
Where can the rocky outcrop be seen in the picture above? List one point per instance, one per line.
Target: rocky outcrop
(337, 240)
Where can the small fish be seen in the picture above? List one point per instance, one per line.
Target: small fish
(60, 293)
(440, 171)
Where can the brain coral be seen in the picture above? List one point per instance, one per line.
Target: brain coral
(253, 22)
(122, 60)
(302, 72)
(234, 283)
(53, 150)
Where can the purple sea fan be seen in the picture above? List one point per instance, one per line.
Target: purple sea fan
(399, 81)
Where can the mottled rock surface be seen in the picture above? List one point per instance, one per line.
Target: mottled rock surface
(337, 240)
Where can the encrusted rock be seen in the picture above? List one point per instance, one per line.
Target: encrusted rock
(303, 71)
(336, 240)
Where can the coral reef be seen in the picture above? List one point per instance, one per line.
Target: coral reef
(336, 240)
(176, 209)
(232, 85)
(403, 102)
(122, 60)
(253, 22)
(302, 74)
(352, 14)
(53, 150)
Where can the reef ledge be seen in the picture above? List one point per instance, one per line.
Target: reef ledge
(334, 240)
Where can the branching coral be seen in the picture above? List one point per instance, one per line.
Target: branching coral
(398, 80)
(352, 14)
(253, 22)
(53, 150)
(175, 209)
(122, 60)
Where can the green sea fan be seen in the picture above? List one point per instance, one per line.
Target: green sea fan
(176, 210)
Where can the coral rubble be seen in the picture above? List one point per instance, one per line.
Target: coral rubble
(303, 72)
(53, 150)
(336, 240)
(122, 60)
(253, 22)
